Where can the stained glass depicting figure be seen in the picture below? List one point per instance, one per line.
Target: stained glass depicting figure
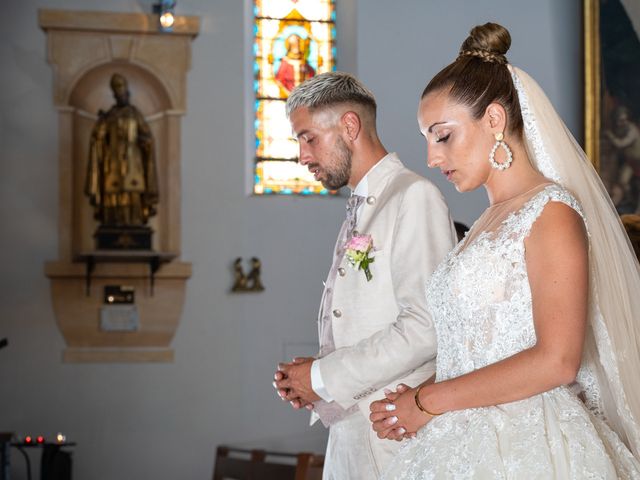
(293, 41)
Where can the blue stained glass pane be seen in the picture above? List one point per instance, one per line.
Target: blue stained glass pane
(255, 11)
(256, 124)
(257, 142)
(256, 105)
(334, 51)
(256, 68)
(255, 29)
(255, 49)
(268, 190)
(286, 191)
(333, 15)
(256, 85)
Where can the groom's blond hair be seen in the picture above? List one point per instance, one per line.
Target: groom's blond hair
(331, 89)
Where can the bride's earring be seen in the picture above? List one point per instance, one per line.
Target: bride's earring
(492, 156)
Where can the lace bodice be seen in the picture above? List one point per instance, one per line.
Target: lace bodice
(479, 296)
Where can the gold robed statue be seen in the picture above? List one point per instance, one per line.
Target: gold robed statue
(122, 183)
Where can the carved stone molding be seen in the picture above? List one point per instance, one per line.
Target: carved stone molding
(79, 41)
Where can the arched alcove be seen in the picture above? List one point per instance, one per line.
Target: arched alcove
(90, 94)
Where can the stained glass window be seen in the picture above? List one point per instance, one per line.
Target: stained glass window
(293, 41)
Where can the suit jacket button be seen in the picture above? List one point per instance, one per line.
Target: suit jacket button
(342, 272)
(337, 313)
(371, 200)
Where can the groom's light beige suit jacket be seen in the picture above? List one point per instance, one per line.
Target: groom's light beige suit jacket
(382, 330)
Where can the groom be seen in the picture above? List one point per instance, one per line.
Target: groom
(375, 331)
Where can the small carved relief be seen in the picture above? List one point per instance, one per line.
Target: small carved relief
(250, 282)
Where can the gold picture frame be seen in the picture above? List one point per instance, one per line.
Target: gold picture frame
(592, 81)
(612, 98)
(611, 69)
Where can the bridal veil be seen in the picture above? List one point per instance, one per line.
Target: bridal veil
(610, 375)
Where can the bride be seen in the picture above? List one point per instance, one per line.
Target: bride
(536, 310)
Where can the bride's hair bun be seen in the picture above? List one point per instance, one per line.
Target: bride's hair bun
(489, 42)
(479, 76)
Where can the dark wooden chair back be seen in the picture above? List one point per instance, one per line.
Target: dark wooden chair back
(309, 466)
(243, 464)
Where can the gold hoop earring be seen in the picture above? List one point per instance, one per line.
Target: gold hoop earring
(492, 156)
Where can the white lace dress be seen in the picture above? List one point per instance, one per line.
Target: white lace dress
(480, 300)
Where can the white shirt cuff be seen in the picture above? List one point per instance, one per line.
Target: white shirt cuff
(317, 384)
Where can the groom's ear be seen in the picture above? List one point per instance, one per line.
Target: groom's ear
(351, 125)
(495, 118)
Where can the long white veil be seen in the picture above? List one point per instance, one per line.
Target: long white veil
(610, 376)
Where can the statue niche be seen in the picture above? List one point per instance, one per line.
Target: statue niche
(132, 179)
(121, 180)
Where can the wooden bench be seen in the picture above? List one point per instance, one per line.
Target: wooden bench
(243, 464)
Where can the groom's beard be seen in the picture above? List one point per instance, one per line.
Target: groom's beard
(338, 175)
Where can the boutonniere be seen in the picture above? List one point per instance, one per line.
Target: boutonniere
(357, 253)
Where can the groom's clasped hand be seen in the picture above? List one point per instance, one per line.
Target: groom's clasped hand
(292, 382)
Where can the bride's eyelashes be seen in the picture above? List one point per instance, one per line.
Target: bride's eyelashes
(443, 139)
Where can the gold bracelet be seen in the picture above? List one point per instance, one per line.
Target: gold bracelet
(422, 409)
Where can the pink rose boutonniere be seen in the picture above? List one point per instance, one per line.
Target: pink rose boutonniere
(357, 253)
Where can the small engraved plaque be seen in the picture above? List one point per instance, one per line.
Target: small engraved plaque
(119, 294)
(119, 318)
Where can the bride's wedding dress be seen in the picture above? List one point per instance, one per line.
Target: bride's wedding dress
(481, 303)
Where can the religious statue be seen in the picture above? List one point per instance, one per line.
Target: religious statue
(254, 283)
(250, 282)
(293, 68)
(121, 182)
(240, 279)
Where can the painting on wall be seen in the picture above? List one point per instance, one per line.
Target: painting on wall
(612, 98)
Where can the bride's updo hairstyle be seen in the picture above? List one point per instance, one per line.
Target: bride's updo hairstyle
(479, 76)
